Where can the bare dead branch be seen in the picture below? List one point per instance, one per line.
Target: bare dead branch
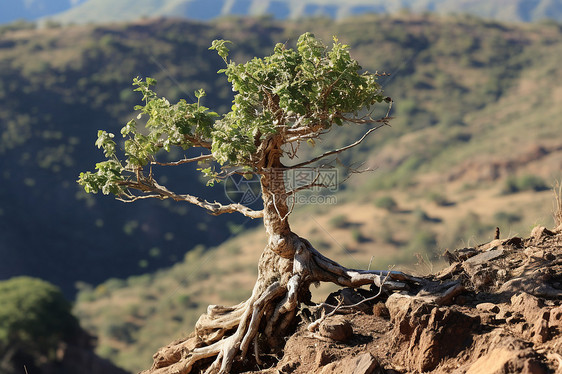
(257, 351)
(301, 188)
(340, 305)
(307, 186)
(303, 130)
(129, 198)
(184, 161)
(313, 326)
(336, 151)
(198, 142)
(367, 120)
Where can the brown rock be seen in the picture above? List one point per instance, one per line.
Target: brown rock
(555, 319)
(488, 319)
(534, 285)
(540, 232)
(427, 334)
(507, 361)
(330, 368)
(447, 333)
(486, 256)
(492, 363)
(527, 305)
(541, 333)
(380, 310)
(336, 328)
(362, 364)
(323, 358)
(533, 367)
(290, 367)
(488, 307)
(365, 364)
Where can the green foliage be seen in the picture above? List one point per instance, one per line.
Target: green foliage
(311, 87)
(358, 236)
(439, 199)
(386, 202)
(423, 241)
(506, 218)
(220, 47)
(16, 26)
(339, 222)
(34, 316)
(528, 182)
(168, 125)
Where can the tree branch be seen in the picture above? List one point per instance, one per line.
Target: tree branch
(184, 161)
(336, 151)
(157, 191)
(197, 142)
(307, 186)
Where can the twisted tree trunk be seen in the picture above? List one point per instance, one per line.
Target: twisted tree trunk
(287, 267)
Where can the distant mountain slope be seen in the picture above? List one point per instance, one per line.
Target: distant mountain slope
(474, 144)
(11, 10)
(58, 87)
(126, 10)
(476, 103)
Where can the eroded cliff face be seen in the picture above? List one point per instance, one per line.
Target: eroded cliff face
(496, 309)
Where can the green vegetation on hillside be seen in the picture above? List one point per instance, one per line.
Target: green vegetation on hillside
(35, 319)
(463, 88)
(58, 88)
(476, 104)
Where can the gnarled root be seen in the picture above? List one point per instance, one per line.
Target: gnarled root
(227, 333)
(318, 268)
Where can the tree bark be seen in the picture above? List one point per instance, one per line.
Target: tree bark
(287, 267)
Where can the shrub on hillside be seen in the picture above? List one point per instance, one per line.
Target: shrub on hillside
(524, 183)
(386, 202)
(35, 318)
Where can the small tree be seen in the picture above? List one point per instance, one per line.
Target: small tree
(281, 101)
(34, 319)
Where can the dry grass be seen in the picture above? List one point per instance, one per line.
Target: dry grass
(557, 189)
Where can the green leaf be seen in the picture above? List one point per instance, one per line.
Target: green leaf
(200, 93)
(221, 48)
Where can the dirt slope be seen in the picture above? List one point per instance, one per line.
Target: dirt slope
(496, 309)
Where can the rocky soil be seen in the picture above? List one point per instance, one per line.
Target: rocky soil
(496, 309)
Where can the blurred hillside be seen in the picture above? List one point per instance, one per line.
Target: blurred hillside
(505, 10)
(58, 87)
(100, 11)
(474, 145)
(476, 103)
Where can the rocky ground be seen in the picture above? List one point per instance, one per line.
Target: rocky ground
(496, 309)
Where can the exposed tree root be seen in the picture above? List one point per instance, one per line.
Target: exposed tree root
(227, 333)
